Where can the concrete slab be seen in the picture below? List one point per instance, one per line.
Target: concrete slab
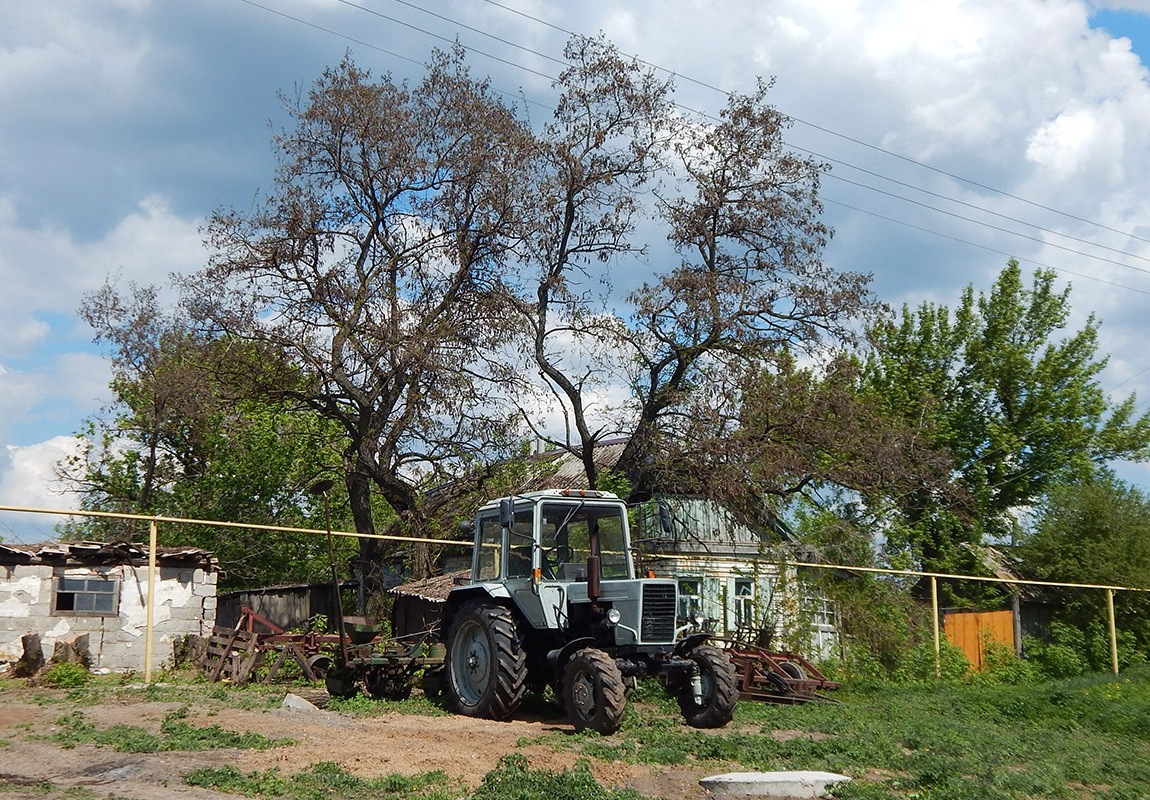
(798, 783)
(297, 703)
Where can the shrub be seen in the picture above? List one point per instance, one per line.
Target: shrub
(1063, 656)
(66, 675)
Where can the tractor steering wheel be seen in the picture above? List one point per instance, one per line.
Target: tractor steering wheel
(555, 556)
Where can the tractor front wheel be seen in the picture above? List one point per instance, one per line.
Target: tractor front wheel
(486, 665)
(720, 690)
(593, 692)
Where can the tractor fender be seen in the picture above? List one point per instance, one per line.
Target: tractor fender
(557, 659)
(496, 593)
(688, 644)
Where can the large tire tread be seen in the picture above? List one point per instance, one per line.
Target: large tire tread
(593, 692)
(721, 690)
(506, 683)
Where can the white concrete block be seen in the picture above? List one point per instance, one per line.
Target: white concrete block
(802, 783)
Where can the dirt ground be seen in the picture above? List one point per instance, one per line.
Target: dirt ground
(461, 747)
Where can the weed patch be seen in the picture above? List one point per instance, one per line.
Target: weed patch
(175, 734)
(324, 780)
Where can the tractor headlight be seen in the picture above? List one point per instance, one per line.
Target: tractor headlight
(614, 616)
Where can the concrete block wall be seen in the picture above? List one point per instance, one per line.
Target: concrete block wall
(185, 603)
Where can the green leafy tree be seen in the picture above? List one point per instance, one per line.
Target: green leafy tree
(178, 442)
(1012, 395)
(1095, 531)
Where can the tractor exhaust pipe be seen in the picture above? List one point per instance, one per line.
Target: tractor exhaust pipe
(594, 570)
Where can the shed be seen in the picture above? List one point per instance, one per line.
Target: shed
(62, 590)
(418, 604)
(291, 606)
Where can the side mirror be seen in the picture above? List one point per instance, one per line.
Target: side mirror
(664, 517)
(506, 512)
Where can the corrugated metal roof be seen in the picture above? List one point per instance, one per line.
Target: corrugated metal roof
(565, 469)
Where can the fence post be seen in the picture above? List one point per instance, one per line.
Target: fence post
(934, 612)
(1113, 630)
(150, 613)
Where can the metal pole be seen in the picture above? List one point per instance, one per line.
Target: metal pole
(937, 639)
(149, 624)
(1113, 630)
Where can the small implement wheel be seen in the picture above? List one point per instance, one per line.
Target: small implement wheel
(388, 684)
(593, 692)
(319, 665)
(486, 668)
(340, 682)
(794, 670)
(720, 690)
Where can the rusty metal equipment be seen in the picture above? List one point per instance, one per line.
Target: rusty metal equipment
(386, 668)
(774, 676)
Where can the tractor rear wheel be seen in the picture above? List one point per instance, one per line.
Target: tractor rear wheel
(720, 690)
(593, 692)
(486, 665)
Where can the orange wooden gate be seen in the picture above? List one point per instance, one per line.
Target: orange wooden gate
(970, 629)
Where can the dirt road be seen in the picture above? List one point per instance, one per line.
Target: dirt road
(461, 747)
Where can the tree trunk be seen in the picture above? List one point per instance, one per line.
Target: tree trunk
(74, 650)
(33, 659)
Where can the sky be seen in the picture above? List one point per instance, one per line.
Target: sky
(959, 134)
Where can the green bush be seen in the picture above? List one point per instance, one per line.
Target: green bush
(1062, 656)
(919, 665)
(1002, 665)
(66, 675)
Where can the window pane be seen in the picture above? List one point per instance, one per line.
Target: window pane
(90, 596)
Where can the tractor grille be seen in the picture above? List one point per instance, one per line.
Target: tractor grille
(658, 624)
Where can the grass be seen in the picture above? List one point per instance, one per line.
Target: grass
(511, 780)
(50, 790)
(1081, 738)
(175, 735)
(325, 780)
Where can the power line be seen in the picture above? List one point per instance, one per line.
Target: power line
(309, 24)
(539, 54)
(845, 137)
(969, 243)
(988, 225)
(974, 206)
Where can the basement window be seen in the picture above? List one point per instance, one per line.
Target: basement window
(86, 597)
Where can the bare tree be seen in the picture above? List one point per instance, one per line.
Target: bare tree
(742, 217)
(592, 161)
(371, 267)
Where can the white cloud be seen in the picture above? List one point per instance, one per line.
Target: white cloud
(28, 480)
(46, 271)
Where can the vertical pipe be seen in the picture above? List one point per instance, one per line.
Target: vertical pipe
(1113, 630)
(1016, 619)
(150, 620)
(934, 612)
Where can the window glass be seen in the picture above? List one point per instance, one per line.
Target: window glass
(97, 597)
(690, 598)
(565, 536)
(744, 603)
(490, 547)
(520, 544)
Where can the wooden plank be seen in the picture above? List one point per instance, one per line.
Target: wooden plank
(969, 631)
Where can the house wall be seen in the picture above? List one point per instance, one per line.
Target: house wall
(185, 604)
(751, 600)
